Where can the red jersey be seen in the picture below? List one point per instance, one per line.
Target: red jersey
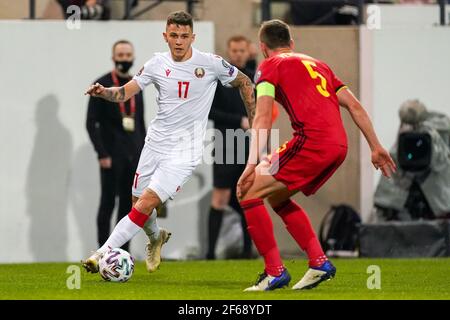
(306, 88)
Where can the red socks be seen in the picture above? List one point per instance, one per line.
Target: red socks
(137, 217)
(297, 223)
(260, 228)
(299, 226)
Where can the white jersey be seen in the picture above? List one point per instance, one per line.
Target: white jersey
(185, 92)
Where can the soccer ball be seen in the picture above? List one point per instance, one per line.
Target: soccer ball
(116, 265)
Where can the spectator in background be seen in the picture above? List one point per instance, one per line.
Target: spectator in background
(252, 61)
(228, 112)
(90, 9)
(117, 131)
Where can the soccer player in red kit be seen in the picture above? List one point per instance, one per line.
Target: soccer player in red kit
(311, 94)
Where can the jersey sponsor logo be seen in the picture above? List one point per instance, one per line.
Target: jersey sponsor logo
(140, 71)
(168, 71)
(199, 72)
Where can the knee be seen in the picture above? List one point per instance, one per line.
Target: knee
(254, 193)
(251, 196)
(247, 196)
(145, 206)
(147, 202)
(134, 200)
(261, 187)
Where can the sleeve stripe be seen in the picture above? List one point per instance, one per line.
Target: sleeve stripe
(265, 89)
(340, 88)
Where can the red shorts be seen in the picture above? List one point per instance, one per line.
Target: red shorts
(305, 166)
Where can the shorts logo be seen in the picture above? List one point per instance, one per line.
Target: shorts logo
(199, 72)
(282, 148)
(178, 189)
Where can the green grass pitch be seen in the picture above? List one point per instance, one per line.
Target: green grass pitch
(225, 280)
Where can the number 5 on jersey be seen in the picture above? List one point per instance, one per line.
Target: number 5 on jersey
(322, 87)
(183, 85)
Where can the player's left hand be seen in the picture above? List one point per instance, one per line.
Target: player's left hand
(246, 180)
(381, 159)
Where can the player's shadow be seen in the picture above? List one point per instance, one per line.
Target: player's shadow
(85, 195)
(47, 184)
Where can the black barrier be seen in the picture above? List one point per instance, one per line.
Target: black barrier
(442, 11)
(32, 8)
(266, 7)
(405, 239)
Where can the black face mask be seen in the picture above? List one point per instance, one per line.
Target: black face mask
(123, 66)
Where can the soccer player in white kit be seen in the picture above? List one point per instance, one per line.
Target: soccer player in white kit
(186, 80)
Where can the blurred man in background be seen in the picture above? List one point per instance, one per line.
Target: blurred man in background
(117, 132)
(228, 112)
(252, 61)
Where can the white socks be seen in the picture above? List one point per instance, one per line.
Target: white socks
(124, 231)
(151, 226)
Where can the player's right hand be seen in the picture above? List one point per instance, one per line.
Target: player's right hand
(95, 90)
(381, 159)
(246, 180)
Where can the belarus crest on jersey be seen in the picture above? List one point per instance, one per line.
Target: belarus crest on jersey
(199, 72)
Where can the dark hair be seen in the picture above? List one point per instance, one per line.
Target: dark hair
(275, 34)
(237, 38)
(120, 42)
(180, 18)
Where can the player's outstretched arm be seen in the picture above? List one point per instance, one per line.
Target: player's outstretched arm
(380, 157)
(245, 86)
(114, 94)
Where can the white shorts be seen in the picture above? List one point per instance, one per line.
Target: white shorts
(161, 173)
